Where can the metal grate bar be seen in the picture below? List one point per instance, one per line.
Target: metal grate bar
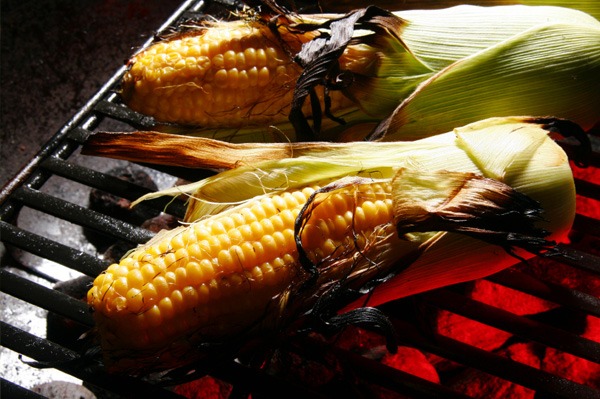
(45, 298)
(51, 250)
(82, 216)
(579, 259)
(34, 347)
(79, 134)
(494, 364)
(112, 184)
(45, 351)
(521, 326)
(127, 115)
(11, 262)
(552, 292)
(10, 390)
(587, 189)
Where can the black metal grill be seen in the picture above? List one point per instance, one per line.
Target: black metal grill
(59, 159)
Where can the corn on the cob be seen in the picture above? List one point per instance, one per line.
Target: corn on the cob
(242, 76)
(231, 74)
(242, 270)
(219, 276)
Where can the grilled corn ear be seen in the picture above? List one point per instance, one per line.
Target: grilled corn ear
(264, 241)
(227, 74)
(306, 74)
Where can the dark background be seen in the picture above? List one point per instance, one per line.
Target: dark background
(55, 54)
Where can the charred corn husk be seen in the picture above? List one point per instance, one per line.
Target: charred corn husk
(263, 242)
(242, 76)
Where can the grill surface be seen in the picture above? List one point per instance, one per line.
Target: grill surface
(49, 188)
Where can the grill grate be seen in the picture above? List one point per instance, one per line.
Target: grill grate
(58, 160)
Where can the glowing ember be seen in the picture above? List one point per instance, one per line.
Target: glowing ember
(572, 367)
(478, 384)
(508, 299)
(412, 361)
(204, 388)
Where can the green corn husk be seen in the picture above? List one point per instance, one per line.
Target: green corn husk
(461, 92)
(439, 39)
(436, 69)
